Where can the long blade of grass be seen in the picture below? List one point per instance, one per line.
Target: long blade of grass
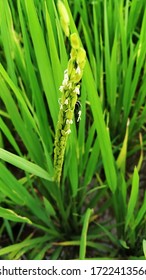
(7, 38)
(9, 230)
(24, 164)
(37, 96)
(88, 147)
(42, 59)
(140, 214)
(11, 187)
(24, 128)
(83, 240)
(26, 243)
(133, 198)
(12, 216)
(55, 63)
(121, 160)
(9, 136)
(104, 139)
(92, 163)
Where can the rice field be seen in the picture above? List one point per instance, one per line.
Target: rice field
(72, 129)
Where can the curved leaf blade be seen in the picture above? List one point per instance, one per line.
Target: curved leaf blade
(24, 164)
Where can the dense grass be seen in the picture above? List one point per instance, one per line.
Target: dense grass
(99, 210)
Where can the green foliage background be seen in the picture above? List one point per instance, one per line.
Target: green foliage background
(99, 209)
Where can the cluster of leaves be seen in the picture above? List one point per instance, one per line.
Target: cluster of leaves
(100, 205)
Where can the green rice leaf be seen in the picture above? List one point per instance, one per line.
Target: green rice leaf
(121, 161)
(12, 216)
(26, 243)
(133, 198)
(49, 208)
(42, 59)
(5, 129)
(140, 214)
(24, 164)
(83, 240)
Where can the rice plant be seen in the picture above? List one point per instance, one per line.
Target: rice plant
(83, 191)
